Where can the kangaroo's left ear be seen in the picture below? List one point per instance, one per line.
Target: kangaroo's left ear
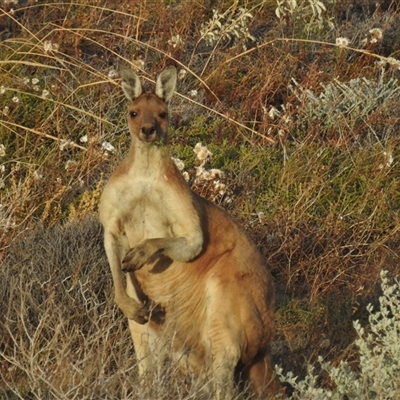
(166, 83)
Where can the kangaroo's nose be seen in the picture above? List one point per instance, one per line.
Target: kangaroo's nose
(148, 130)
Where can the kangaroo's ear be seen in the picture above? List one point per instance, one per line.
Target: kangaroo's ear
(131, 84)
(166, 83)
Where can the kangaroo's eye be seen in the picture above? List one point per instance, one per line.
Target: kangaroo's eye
(132, 114)
(163, 115)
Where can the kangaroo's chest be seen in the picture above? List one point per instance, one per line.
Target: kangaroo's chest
(143, 205)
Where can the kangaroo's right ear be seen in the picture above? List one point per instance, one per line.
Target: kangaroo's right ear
(131, 84)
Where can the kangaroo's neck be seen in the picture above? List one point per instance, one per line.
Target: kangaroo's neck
(148, 159)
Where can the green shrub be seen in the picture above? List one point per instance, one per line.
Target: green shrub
(378, 376)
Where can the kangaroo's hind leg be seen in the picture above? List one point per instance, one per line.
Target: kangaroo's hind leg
(261, 374)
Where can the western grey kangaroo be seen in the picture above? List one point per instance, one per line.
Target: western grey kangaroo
(212, 293)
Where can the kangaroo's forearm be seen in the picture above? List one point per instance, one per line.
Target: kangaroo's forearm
(182, 249)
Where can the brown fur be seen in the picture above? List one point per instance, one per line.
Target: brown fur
(197, 289)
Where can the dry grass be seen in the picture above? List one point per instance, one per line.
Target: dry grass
(310, 152)
(62, 335)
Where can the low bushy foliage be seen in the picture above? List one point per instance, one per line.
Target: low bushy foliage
(378, 375)
(342, 107)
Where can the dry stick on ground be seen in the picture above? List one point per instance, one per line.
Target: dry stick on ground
(8, 124)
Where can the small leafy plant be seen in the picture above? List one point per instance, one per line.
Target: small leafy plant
(311, 12)
(227, 26)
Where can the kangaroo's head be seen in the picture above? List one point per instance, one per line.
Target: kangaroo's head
(148, 111)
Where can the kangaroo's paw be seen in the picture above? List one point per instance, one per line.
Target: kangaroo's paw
(134, 310)
(139, 255)
(135, 259)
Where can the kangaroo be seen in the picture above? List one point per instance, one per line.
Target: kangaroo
(196, 286)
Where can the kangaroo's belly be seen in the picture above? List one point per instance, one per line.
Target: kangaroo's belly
(180, 329)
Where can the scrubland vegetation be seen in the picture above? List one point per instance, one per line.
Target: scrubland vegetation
(299, 104)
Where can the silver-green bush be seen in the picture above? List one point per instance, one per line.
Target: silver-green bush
(379, 352)
(344, 104)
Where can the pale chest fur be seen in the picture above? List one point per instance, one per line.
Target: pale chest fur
(139, 206)
(142, 201)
